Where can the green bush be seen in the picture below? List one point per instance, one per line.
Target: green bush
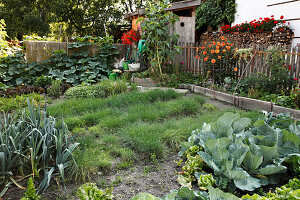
(17, 102)
(43, 81)
(55, 89)
(105, 88)
(280, 81)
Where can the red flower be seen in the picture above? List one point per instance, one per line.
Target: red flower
(275, 22)
(290, 67)
(272, 15)
(284, 22)
(295, 79)
(281, 17)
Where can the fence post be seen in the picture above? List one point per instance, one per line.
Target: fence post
(254, 53)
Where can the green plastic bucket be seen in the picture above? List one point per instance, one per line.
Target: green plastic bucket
(125, 64)
(112, 76)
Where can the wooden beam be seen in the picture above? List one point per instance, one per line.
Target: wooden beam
(184, 4)
(286, 2)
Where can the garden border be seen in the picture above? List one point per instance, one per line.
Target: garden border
(242, 102)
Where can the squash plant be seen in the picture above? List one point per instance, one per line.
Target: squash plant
(74, 69)
(157, 30)
(79, 66)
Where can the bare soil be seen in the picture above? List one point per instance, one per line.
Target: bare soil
(144, 176)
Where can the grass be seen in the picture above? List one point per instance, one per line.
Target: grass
(114, 132)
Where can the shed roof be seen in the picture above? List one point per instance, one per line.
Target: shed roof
(175, 6)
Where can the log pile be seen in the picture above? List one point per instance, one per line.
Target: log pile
(265, 38)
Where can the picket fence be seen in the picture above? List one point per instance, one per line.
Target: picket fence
(258, 64)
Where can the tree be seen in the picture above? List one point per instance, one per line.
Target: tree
(25, 16)
(83, 17)
(214, 12)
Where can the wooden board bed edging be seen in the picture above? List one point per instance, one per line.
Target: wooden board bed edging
(242, 102)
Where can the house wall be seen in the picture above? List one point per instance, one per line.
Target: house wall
(135, 23)
(247, 10)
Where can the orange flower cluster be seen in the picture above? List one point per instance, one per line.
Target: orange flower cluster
(216, 52)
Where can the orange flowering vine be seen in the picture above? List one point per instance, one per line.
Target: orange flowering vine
(206, 58)
(213, 61)
(235, 69)
(217, 51)
(219, 57)
(212, 51)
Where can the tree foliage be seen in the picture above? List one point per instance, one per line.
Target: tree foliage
(83, 17)
(214, 12)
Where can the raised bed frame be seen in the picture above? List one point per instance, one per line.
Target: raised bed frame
(242, 102)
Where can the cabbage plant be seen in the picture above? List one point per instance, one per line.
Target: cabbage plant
(245, 156)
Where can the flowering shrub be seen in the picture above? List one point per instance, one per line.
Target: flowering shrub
(218, 58)
(263, 24)
(130, 37)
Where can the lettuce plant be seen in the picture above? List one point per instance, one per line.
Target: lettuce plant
(243, 157)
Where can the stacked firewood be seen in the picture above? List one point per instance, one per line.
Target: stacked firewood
(245, 38)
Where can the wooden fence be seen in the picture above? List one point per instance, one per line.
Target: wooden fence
(258, 64)
(39, 51)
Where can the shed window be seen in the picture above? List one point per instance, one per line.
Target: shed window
(184, 13)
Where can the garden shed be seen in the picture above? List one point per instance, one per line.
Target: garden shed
(185, 27)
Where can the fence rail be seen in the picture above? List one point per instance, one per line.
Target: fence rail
(39, 51)
(291, 54)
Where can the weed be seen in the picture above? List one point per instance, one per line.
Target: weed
(117, 181)
(124, 164)
(153, 159)
(126, 154)
(172, 138)
(146, 169)
(54, 91)
(209, 107)
(30, 193)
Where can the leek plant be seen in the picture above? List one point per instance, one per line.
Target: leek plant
(33, 143)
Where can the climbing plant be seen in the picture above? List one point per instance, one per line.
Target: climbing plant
(214, 12)
(157, 30)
